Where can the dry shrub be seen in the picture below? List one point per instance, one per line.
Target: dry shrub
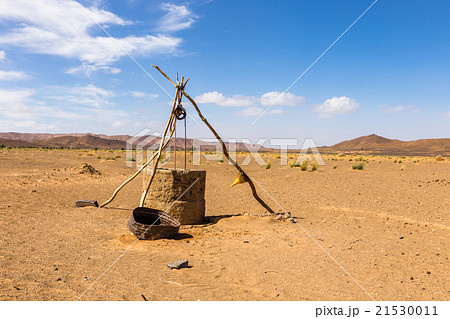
(304, 165)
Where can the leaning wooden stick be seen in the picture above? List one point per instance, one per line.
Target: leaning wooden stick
(158, 156)
(224, 149)
(135, 174)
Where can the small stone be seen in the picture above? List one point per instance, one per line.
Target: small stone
(428, 272)
(86, 202)
(59, 279)
(183, 263)
(412, 278)
(246, 241)
(401, 237)
(85, 278)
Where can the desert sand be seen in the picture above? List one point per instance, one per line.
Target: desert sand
(386, 225)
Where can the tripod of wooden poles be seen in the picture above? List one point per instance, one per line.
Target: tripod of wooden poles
(179, 113)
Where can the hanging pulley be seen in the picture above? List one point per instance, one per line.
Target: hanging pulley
(180, 112)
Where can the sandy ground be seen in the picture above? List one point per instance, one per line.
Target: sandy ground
(387, 226)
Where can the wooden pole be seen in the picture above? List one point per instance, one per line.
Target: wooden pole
(224, 148)
(158, 156)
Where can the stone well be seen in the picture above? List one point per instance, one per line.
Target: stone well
(166, 189)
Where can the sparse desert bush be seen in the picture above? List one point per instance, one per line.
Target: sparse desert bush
(130, 159)
(89, 154)
(165, 160)
(359, 166)
(99, 157)
(294, 164)
(395, 161)
(335, 166)
(268, 165)
(304, 165)
(400, 161)
(110, 158)
(341, 155)
(439, 158)
(117, 156)
(220, 161)
(350, 160)
(313, 167)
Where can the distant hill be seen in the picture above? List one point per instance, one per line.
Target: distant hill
(86, 141)
(374, 144)
(365, 142)
(90, 141)
(370, 144)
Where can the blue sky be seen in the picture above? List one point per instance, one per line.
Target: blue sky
(389, 74)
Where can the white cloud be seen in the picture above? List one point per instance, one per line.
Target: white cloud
(268, 98)
(219, 99)
(399, 108)
(88, 95)
(14, 103)
(256, 111)
(20, 109)
(34, 125)
(62, 28)
(447, 114)
(336, 105)
(2, 55)
(88, 69)
(13, 75)
(275, 111)
(280, 99)
(177, 18)
(137, 94)
(143, 95)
